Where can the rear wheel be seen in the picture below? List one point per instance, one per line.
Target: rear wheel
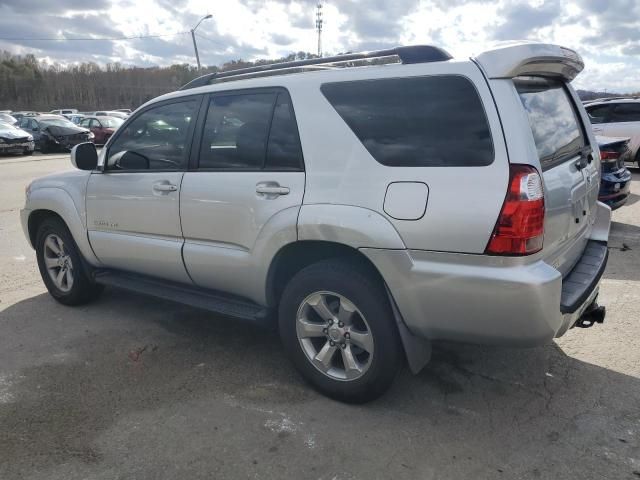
(338, 329)
(61, 267)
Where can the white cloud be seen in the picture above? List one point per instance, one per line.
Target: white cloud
(605, 32)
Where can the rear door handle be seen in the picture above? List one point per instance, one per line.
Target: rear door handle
(165, 187)
(272, 190)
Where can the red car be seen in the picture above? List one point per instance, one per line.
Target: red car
(102, 127)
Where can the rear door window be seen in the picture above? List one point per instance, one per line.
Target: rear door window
(235, 131)
(436, 121)
(553, 119)
(626, 112)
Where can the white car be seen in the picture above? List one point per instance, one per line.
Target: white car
(618, 117)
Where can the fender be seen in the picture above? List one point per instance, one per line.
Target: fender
(356, 227)
(59, 201)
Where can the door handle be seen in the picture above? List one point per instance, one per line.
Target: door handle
(272, 189)
(165, 187)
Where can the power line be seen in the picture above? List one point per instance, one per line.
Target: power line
(14, 39)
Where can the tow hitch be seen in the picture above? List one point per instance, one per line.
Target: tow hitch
(592, 315)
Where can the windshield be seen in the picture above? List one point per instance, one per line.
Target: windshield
(111, 122)
(58, 122)
(553, 120)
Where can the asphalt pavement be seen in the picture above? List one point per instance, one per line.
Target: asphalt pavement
(136, 388)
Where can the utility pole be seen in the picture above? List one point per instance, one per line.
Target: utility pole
(193, 37)
(319, 27)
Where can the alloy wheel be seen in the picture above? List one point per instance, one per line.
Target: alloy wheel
(58, 263)
(334, 336)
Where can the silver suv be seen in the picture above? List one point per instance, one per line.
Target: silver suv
(367, 203)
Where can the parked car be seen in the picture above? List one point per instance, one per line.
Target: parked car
(18, 115)
(126, 111)
(15, 140)
(395, 205)
(76, 118)
(6, 118)
(101, 127)
(618, 117)
(615, 181)
(54, 132)
(110, 113)
(5, 111)
(64, 111)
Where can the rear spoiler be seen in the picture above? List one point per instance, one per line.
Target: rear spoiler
(514, 59)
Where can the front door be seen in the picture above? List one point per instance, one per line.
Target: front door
(246, 183)
(133, 215)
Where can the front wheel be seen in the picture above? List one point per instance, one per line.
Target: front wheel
(338, 329)
(61, 267)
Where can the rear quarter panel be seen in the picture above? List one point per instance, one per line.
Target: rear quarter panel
(463, 203)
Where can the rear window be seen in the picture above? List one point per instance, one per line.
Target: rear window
(553, 120)
(436, 121)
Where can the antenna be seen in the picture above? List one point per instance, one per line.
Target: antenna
(319, 27)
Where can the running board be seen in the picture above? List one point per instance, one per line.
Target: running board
(197, 297)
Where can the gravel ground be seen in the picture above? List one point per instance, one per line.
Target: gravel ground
(133, 388)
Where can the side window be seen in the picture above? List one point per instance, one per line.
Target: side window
(156, 139)
(95, 124)
(235, 131)
(85, 123)
(599, 114)
(436, 121)
(24, 123)
(283, 151)
(626, 112)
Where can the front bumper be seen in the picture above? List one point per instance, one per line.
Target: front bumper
(6, 148)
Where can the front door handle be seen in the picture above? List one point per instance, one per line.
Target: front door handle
(271, 189)
(165, 187)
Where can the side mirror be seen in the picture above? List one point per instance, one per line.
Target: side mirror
(128, 160)
(84, 156)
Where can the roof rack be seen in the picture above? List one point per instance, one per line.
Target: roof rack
(407, 55)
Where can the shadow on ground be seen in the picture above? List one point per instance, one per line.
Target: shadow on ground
(132, 387)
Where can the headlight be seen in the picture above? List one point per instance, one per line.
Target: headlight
(91, 135)
(30, 138)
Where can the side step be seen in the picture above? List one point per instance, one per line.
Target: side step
(219, 303)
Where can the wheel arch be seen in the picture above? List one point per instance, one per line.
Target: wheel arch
(56, 203)
(295, 256)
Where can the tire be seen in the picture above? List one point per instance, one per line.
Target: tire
(78, 288)
(354, 294)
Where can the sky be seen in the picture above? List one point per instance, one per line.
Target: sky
(605, 32)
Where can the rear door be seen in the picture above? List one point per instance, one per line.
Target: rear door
(248, 174)
(569, 170)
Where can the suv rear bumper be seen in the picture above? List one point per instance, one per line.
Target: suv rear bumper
(482, 299)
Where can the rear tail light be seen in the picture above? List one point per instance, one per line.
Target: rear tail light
(607, 156)
(520, 226)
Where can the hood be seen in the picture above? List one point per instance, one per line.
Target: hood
(60, 180)
(11, 133)
(57, 131)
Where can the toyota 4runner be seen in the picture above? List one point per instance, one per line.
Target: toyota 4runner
(368, 203)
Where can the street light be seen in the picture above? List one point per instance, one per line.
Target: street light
(193, 36)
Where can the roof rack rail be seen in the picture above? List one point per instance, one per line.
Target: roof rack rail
(407, 55)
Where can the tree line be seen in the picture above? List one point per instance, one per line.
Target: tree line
(29, 84)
